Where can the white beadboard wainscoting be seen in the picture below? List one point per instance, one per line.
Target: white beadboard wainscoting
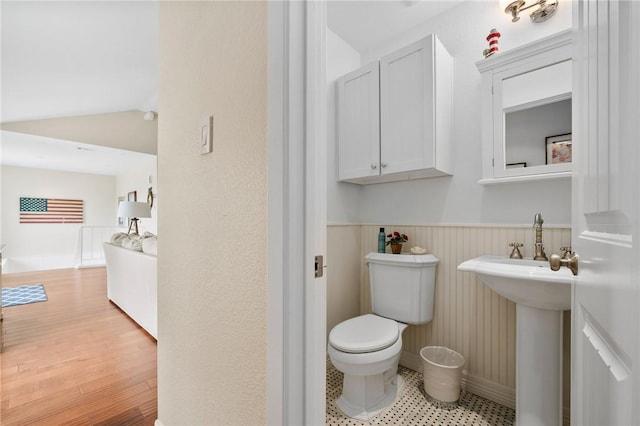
(469, 317)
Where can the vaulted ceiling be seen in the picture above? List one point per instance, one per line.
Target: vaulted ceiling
(80, 58)
(63, 59)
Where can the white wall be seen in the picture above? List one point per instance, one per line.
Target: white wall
(212, 262)
(342, 199)
(460, 199)
(137, 179)
(48, 246)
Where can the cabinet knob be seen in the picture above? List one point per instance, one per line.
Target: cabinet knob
(383, 164)
(373, 167)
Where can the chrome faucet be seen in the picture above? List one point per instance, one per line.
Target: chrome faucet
(538, 247)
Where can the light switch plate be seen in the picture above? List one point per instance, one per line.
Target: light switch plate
(206, 135)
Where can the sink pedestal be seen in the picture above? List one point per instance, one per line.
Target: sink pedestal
(538, 366)
(540, 295)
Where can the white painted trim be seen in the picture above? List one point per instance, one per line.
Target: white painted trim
(495, 392)
(95, 265)
(296, 322)
(293, 219)
(275, 146)
(315, 216)
(157, 423)
(286, 177)
(525, 179)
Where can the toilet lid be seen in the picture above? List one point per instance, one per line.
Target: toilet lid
(366, 333)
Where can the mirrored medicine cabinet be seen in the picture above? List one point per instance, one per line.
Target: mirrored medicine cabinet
(526, 112)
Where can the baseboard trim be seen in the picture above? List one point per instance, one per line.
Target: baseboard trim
(157, 423)
(95, 265)
(492, 391)
(495, 392)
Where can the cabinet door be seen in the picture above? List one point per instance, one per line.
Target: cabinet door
(407, 108)
(359, 123)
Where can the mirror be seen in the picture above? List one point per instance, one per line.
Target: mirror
(538, 136)
(537, 118)
(527, 112)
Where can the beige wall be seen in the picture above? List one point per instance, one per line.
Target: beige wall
(122, 130)
(343, 274)
(469, 317)
(212, 298)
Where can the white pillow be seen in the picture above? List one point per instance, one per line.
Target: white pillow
(118, 238)
(150, 245)
(133, 242)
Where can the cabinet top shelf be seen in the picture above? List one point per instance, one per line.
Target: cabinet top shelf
(536, 47)
(528, 178)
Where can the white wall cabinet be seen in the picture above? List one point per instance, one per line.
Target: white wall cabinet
(395, 116)
(359, 123)
(526, 107)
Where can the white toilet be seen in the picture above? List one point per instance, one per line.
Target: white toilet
(367, 348)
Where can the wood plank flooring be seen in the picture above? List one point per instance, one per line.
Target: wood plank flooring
(75, 359)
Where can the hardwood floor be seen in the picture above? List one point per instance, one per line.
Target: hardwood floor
(75, 359)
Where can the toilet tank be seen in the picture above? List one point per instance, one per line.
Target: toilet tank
(402, 286)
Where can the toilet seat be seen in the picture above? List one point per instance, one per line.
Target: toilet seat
(366, 333)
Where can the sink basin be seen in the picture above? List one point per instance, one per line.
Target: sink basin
(523, 281)
(540, 295)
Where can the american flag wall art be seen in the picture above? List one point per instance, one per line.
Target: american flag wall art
(51, 210)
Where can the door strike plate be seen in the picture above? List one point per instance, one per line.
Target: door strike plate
(319, 266)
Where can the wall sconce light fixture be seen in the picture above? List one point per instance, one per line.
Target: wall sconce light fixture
(546, 9)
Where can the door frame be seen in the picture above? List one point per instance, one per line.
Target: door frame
(296, 132)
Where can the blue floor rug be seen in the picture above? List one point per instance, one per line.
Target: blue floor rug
(21, 295)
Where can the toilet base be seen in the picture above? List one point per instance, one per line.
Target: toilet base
(364, 397)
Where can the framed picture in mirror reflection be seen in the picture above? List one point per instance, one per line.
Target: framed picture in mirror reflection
(558, 148)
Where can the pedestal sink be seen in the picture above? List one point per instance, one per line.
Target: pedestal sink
(540, 295)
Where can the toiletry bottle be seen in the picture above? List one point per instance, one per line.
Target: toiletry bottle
(381, 241)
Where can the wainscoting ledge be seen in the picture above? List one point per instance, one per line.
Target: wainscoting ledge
(495, 392)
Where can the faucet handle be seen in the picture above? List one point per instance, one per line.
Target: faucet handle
(566, 252)
(515, 253)
(571, 262)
